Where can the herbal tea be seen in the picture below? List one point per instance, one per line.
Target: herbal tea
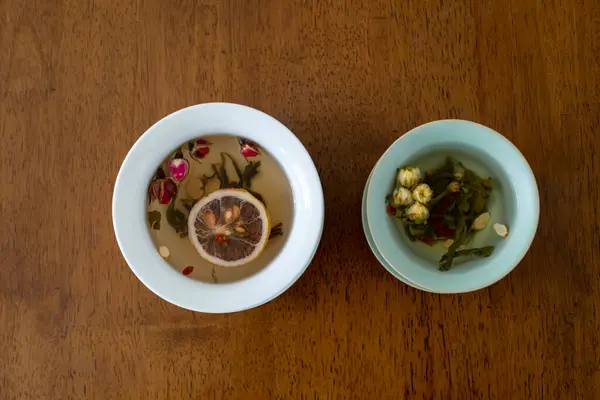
(219, 208)
(447, 205)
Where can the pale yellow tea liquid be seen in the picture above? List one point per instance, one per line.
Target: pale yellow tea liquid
(172, 194)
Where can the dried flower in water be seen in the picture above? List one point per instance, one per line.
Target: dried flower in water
(417, 213)
(179, 168)
(402, 197)
(248, 148)
(408, 177)
(449, 207)
(501, 230)
(422, 193)
(481, 221)
(164, 190)
(199, 149)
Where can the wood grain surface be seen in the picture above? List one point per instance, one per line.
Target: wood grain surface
(80, 81)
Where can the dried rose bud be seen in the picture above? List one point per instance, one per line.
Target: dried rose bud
(248, 148)
(408, 177)
(163, 189)
(179, 168)
(402, 197)
(422, 193)
(417, 213)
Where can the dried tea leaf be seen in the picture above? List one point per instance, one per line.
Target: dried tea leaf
(188, 204)
(177, 219)
(478, 203)
(154, 219)
(237, 168)
(416, 231)
(276, 230)
(479, 252)
(250, 172)
(223, 173)
(257, 195)
(409, 234)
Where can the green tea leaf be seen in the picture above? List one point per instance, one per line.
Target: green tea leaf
(479, 252)
(223, 173)
(409, 234)
(238, 170)
(478, 203)
(154, 219)
(487, 183)
(257, 195)
(188, 204)
(416, 231)
(250, 172)
(450, 221)
(464, 205)
(460, 238)
(437, 199)
(276, 230)
(177, 219)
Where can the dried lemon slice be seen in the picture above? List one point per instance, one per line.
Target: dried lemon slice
(229, 227)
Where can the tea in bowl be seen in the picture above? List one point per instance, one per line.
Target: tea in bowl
(452, 206)
(218, 208)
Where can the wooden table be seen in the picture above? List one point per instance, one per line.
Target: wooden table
(80, 81)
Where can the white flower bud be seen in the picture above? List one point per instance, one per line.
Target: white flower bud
(501, 230)
(481, 221)
(408, 177)
(402, 197)
(422, 193)
(417, 213)
(454, 187)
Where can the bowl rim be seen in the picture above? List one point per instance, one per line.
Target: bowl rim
(373, 247)
(521, 238)
(131, 228)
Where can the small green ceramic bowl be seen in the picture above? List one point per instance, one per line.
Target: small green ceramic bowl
(514, 202)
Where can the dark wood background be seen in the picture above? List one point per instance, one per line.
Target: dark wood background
(81, 80)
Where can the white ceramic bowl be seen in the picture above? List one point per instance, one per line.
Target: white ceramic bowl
(130, 207)
(514, 202)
